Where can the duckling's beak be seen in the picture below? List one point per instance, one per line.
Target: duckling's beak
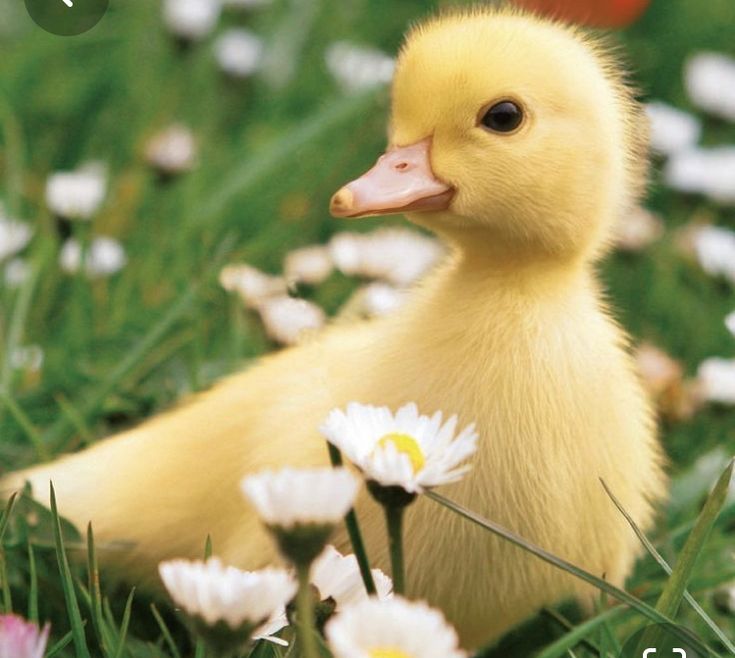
(400, 181)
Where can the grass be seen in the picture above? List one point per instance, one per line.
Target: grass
(117, 350)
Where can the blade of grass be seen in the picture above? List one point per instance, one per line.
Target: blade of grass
(670, 599)
(20, 417)
(562, 621)
(33, 587)
(579, 633)
(124, 625)
(7, 604)
(167, 638)
(7, 600)
(60, 645)
(665, 566)
(621, 595)
(72, 605)
(5, 516)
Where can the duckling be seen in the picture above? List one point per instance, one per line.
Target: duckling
(517, 141)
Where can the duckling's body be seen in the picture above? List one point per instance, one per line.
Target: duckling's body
(510, 332)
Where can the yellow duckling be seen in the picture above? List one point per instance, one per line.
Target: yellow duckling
(517, 141)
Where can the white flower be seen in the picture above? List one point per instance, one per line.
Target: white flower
(238, 52)
(14, 236)
(311, 265)
(288, 320)
(16, 272)
(637, 229)
(396, 255)
(356, 67)
(710, 81)
(77, 194)
(714, 248)
(708, 171)
(105, 256)
(672, 129)
(730, 323)
(27, 357)
(378, 298)
(22, 639)
(409, 450)
(717, 380)
(252, 285)
(191, 20)
(395, 628)
(173, 150)
(289, 497)
(338, 576)
(214, 592)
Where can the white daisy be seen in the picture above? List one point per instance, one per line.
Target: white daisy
(378, 298)
(105, 256)
(191, 20)
(409, 450)
(27, 357)
(338, 577)
(730, 323)
(16, 272)
(357, 67)
(710, 81)
(288, 320)
(395, 255)
(311, 265)
(251, 284)
(22, 639)
(394, 628)
(716, 378)
(14, 236)
(215, 593)
(172, 151)
(671, 129)
(290, 497)
(707, 171)
(714, 248)
(77, 194)
(637, 229)
(239, 52)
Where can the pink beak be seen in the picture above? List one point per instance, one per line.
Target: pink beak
(400, 181)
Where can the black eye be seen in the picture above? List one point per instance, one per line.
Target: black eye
(503, 117)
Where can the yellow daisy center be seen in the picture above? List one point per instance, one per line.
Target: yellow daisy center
(408, 446)
(387, 652)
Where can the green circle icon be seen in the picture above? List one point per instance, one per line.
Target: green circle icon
(66, 18)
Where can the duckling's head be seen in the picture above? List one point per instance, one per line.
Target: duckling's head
(506, 130)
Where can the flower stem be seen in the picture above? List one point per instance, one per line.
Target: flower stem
(305, 613)
(353, 530)
(394, 521)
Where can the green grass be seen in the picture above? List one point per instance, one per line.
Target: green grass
(120, 349)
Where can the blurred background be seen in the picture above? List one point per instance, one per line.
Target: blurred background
(161, 173)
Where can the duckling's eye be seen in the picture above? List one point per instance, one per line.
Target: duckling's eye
(503, 117)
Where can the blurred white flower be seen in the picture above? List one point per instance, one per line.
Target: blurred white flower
(730, 323)
(710, 81)
(724, 597)
(672, 129)
(716, 378)
(288, 320)
(14, 236)
(377, 299)
(216, 593)
(290, 497)
(22, 639)
(394, 628)
(172, 151)
(407, 449)
(105, 256)
(27, 357)
(252, 285)
(191, 20)
(396, 255)
(16, 272)
(77, 194)
(238, 52)
(714, 248)
(357, 67)
(637, 229)
(311, 265)
(708, 171)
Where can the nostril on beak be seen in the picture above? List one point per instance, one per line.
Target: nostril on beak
(401, 166)
(341, 201)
